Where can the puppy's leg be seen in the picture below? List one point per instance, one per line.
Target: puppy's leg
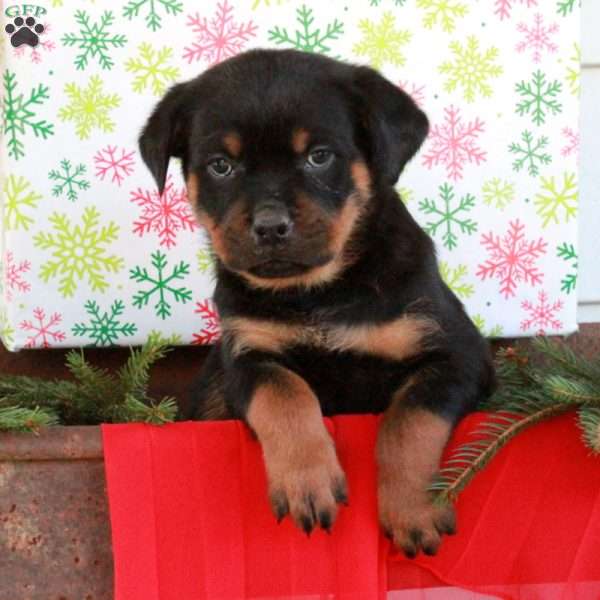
(305, 477)
(410, 442)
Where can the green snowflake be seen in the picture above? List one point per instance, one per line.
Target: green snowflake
(18, 115)
(151, 69)
(304, 39)
(494, 332)
(566, 7)
(448, 217)
(453, 279)
(79, 252)
(378, 2)
(94, 39)
(530, 153)
(159, 338)
(205, 260)
(69, 181)
(557, 201)
(443, 11)
(7, 331)
(89, 108)
(574, 71)
(539, 97)
(470, 69)
(104, 327)
(19, 195)
(382, 42)
(160, 284)
(153, 19)
(568, 254)
(498, 193)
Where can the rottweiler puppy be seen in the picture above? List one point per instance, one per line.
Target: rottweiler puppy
(328, 291)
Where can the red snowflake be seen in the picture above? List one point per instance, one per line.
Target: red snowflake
(210, 331)
(572, 146)
(502, 8)
(164, 214)
(537, 37)
(512, 259)
(453, 144)
(414, 91)
(41, 331)
(107, 161)
(13, 276)
(541, 315)
(219, 37)
(35, 54)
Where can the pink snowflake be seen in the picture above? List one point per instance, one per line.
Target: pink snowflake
(13, 275)
(107, 161)
(164, 214)
(210, 331)
(541, 315)
(414, 91)
(572, 146)
(502, 8)
(219, 37)
(454, 144)
(35, 52)
(41, 330)
(512, 259)
(537, 37)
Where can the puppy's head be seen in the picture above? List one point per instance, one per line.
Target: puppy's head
(283, 153)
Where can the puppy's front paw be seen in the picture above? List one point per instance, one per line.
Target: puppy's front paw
(413, 522)
(307, 482)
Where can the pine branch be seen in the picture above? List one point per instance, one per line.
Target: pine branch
(589, 422)
(16, 418)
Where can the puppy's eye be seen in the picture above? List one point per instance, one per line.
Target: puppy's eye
(220, 167)
(319, 158)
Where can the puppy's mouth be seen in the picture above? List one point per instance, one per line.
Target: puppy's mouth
(273, 268)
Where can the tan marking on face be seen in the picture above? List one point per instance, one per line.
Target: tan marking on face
(299, 454)
(193, 189)
(233, 144)
(396, 340)
(213, 407)
(362, 177)
(300, 139)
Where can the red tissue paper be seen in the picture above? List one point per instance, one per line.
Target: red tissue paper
(191, 521)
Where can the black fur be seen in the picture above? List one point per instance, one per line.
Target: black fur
(263, 96)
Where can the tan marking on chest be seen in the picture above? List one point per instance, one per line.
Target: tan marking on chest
(395, 340)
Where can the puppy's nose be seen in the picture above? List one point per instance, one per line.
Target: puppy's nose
(271, 225)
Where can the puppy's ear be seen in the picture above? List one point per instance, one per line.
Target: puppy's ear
(393, 124)
(164, 134)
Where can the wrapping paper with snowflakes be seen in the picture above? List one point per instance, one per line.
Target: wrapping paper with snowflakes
(92, 255)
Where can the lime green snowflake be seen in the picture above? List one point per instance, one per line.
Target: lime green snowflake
(79, 252)
(498, 193)
(557, 204)
(382, 42)
(454, 279)
(7, 331)
(18, 195)
(307, 38)
(494, 332)
(89, 108)
(444, 12)
(574, 71)
(160, 338)
(205, 260)
(267, 3)
(406, 195)
(151, 69)
(470, 69)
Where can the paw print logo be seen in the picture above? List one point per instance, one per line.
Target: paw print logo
(24, 31)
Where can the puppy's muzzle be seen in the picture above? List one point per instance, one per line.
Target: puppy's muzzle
(271, 224)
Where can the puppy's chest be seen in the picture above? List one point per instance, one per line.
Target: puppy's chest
(396, 339)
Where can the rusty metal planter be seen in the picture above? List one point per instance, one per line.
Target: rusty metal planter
(54, 524)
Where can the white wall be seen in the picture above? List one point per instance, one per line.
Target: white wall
(589, 216)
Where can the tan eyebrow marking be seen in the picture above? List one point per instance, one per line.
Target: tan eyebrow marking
(300, 139)
(233, 144)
